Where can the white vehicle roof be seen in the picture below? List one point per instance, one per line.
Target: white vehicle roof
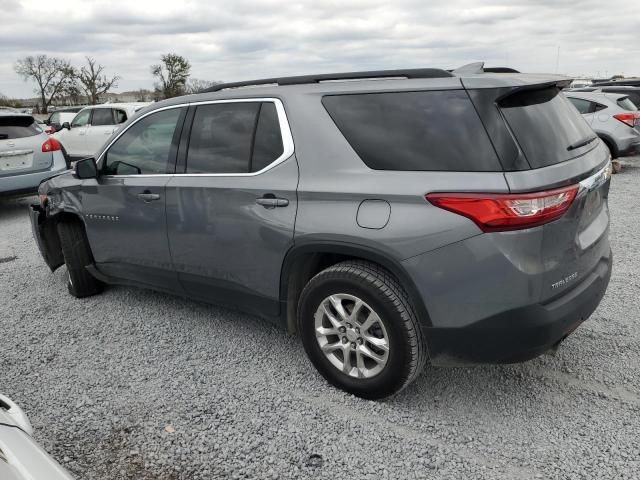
(609, 99)
(130, 108)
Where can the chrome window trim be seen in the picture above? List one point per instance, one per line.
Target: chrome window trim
(285, 133)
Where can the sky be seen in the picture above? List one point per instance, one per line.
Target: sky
(241, 39)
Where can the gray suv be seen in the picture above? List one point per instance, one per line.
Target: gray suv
(387, 217)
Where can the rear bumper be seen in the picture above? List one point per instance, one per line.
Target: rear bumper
(630, 149)
(523, 333)
(29, 182)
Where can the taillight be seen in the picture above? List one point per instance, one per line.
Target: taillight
(51, 145)
(631, 118)
(49, 130)
(496, 212)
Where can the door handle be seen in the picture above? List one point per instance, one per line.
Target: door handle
(147, 196)
(271, 201)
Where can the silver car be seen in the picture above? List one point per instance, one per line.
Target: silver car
(21, 458)
(614, 118)
(27, 154)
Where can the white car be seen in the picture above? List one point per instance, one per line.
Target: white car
(21, 458)
(92, 126)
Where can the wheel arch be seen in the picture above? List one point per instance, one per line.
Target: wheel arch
(305, 260)
(610, 143)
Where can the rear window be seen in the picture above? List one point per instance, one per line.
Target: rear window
(627, 104)
(417, 131)
(545, 125)
(18, 127)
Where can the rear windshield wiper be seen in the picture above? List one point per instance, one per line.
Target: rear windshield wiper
(582, 143)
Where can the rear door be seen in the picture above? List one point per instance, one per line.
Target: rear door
(562, 150)
(21, 142)
(124, 207)
(231, 208)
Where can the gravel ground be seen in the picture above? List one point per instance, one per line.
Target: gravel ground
(136, 384)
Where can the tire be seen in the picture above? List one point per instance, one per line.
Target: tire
(384, 306)
(77, 254)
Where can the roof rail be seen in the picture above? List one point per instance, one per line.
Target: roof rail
(327, 77)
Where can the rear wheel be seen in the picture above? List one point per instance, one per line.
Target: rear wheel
(359, 330)
(77, 254)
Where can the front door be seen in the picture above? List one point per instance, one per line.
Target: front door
(231, 211)
(75, 139)
(125, 207)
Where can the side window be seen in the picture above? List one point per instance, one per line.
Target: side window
(102, 116)
(221, 138)
(120, 116)
(145, 147)
(267, 145)
(412, 130)
(583, 106)
(55, 118)
(597, 107)
(81, 119)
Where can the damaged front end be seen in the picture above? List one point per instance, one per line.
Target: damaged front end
(46, 236)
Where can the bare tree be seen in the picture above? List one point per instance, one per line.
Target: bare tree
(94, 82)
(195, 85)
(143, 95)
(50, 74)
(172, 75)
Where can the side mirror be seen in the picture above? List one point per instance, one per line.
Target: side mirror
(66, 125)
(86, 168)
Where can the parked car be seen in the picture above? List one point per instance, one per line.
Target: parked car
(93, 126)
(613, 117)
(386, 218)
(633, 82)
(21, 458)
(56, 119)
(27, 154)
(632, 92)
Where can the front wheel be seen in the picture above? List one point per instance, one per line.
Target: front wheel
(360, 331)
(77, 255)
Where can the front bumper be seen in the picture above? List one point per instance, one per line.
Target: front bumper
(46, 237)
(523, 333)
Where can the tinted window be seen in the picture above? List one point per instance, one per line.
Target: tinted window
(81, 118)
(145, 147)
(583, 106)
(18, 127)
(102, 116)
(627, 104)
(120, 115)
(221, 137)
(635, 98)
(268, 141)
(435, 130)
(545, 125)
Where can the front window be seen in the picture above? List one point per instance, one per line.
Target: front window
(145, 148)
(81, 119)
